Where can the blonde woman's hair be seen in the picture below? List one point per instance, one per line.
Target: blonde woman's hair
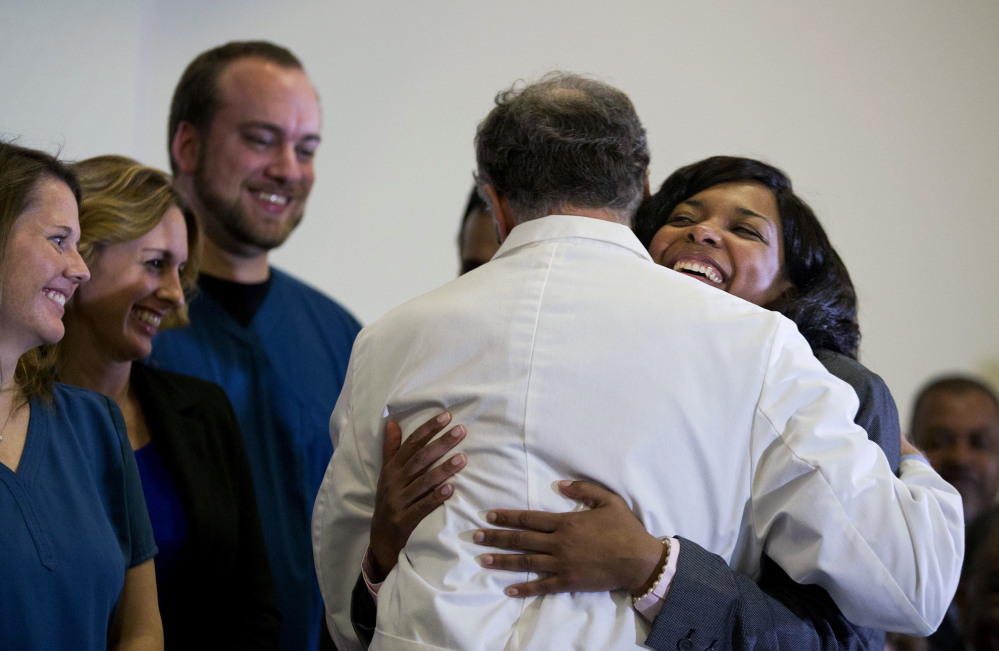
(122, 201)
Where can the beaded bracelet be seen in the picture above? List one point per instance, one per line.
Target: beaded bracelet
(662, 570)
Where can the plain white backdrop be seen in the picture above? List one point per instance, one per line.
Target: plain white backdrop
(884, 115)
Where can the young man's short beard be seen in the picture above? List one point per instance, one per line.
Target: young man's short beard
(230, 217)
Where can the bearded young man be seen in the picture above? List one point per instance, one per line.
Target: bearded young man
(244, 129)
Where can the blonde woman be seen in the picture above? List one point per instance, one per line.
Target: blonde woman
(141, 244)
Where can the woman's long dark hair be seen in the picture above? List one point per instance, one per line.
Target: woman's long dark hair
(824, 303)
(21, 172)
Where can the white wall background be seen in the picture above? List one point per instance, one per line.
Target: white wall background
(884, 114)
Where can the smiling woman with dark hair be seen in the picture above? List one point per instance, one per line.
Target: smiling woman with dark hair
(821, 299)
(806, 280)
(77, 570)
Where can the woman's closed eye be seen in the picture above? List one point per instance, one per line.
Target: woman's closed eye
(679, 220)
(749, 231)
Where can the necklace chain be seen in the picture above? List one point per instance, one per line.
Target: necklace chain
(6, 422)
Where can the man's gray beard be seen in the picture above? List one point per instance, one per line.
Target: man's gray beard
(232, 219)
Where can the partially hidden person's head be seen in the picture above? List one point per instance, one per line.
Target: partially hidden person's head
(978, 595)
(40, 266)
(477, 237)
(243, 131)
(141, 242)
(955, 422)
(561, 143)
(737, 225)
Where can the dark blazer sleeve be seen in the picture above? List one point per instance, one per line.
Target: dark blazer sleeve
(221, 595)
(709, 606)
(363, 612)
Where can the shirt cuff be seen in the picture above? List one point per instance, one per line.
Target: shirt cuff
(367, 570)
(650, 605)
(915, 457)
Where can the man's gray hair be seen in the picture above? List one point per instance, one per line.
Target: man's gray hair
(565, 141)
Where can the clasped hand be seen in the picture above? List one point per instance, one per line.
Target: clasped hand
(600, 549)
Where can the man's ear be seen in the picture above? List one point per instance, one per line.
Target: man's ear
(502, 214)
(185, 147)
(647, 191)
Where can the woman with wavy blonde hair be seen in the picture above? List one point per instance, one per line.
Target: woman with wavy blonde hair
(141, 242)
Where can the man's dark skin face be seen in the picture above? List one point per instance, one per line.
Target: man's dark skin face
(479, 241)
(959, 432)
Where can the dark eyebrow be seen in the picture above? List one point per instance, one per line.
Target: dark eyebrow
(697, 203)
(267, 126)
(750, 213)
